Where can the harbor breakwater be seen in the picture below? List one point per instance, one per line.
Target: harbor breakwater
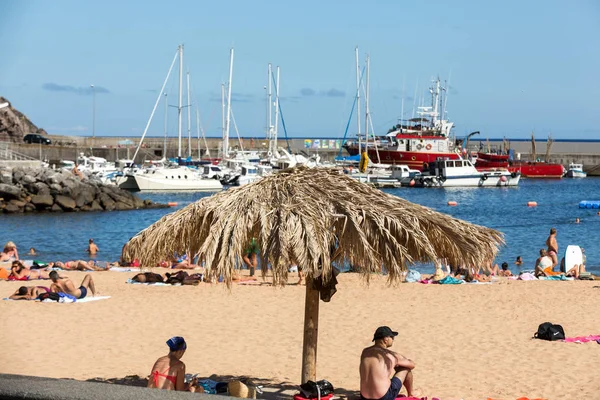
(26, 190)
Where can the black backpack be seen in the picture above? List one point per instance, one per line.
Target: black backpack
(550, 331)
(316, 390)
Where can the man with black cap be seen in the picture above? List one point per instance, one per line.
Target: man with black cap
(378, 364)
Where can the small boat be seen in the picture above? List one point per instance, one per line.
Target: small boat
(462, 173)
(576, 171)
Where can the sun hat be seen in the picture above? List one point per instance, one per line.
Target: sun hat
(383, 332)
(176, 343)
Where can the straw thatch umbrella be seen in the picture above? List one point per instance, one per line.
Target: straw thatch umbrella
(312, 217)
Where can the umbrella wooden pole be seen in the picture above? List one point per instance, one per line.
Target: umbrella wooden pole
(311, 332)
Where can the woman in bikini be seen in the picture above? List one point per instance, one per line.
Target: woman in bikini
(168, 371)
(19, 272)
(29, 293)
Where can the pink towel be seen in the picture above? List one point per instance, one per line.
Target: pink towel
(582, 339)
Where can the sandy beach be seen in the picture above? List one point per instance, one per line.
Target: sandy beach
(468, 341)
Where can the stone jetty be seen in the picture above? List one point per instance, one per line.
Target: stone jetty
(48, 190)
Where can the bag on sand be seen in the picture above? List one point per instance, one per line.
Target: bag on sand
(550, 331)
(313, 390)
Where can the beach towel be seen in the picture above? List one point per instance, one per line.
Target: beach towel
(583, 339)
(84, 300)
(555, 278)
(527, 276)
(124, 269)
(449, 280)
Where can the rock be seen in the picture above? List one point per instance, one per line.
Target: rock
(80, 200)
(29, 207)
(95, 206)
(120, 206)
(107, 202)
(18, 203)
(6, 177)
(9, 191)
(85, 208)
(41, 188)
(28, 179)
(42, 200)
(137, 202)
(56, 208)
(11, 209)
(66, 203)
(18, 174)
(147, 202)
(119, 198)
(67, 192)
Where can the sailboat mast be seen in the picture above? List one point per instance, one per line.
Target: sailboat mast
(228, 117)
(223, 115)
(367, 88)
(189, 110)
(180, 106)
(269, 110)
(276, 131)
(357, 98)
(166, 126)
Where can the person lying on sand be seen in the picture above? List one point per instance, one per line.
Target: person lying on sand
(65, 285)
(19, 272)
(168, 371)
(495, 271)
(148, 277)
(79, 265)
(378, 364)
(29, 292)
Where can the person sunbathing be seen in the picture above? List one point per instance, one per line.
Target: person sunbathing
(9, 253)
(65, 285)
(79, 265)
(168, 371)
(29, 292)
(544, 264)
(148, 277)
(495, 271)
(19, 272)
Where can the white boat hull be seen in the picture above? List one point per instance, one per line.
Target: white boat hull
(475, 181)
(167, 182)
(576, 174)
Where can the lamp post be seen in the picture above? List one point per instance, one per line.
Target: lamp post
(93, 114)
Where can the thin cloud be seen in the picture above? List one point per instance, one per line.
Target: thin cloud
(80, 90)
(235, 97)
(334, 93)
(76, 128)
(453, 90)
(307, 92)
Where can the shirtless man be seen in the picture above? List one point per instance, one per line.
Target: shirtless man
(552, 247)
(29, 293)
(92, 248)
(65, 285)
(378, 364)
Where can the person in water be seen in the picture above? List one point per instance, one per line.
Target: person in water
(552, 247)
(250, 256)
(378, 364)
(577, 220)
(519, 261)
(65, 285)
(29, 292)
(168, 371)
(92, 248)
(32, 252)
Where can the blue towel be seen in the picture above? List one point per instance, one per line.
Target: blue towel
(449, 280)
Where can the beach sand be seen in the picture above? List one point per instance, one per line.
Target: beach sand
(468, 341)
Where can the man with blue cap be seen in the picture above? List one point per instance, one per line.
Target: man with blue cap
(378, 364)
(168, 371)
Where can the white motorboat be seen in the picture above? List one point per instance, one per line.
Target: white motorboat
(575, 171)
(462, 173)
(171, 179)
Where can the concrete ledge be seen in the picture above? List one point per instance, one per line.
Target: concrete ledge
(13, 387)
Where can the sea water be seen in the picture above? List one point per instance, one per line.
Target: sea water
(64, 236)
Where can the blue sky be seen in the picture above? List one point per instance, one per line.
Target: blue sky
(513, 66)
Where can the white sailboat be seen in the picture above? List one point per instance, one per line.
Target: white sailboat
(174, 178)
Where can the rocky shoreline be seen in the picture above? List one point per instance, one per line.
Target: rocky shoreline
(27, 190)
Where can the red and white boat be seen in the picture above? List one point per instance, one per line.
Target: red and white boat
(529, 169)
(417, 142)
